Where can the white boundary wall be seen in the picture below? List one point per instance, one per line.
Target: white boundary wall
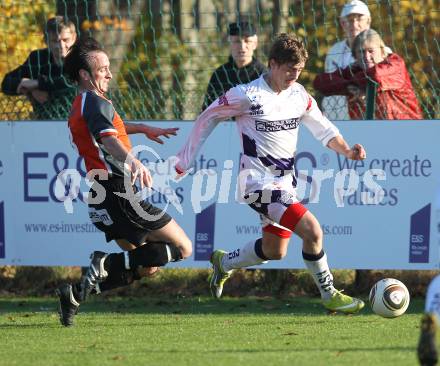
(399, 233)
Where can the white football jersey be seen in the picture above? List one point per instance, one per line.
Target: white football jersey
(268, 124)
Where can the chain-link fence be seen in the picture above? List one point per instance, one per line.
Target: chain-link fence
(163, 52)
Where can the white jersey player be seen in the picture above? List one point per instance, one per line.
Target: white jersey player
(268, 125)
(427, 347)
(268, 113)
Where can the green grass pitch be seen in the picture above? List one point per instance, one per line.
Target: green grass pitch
(202, 331)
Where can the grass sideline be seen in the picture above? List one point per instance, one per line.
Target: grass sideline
(202, 331)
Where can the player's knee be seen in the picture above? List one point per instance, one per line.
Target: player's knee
(314, 235)
(185, 247)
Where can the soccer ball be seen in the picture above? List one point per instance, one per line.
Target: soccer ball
(389, 298)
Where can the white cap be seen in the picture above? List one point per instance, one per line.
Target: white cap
(355, 7)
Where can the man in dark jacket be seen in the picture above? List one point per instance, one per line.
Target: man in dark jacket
(241, 68)
(41, 77)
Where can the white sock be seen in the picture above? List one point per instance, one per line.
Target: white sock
(321, 275)
(432, 302)
(244, 257)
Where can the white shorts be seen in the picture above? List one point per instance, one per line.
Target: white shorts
(279, 210)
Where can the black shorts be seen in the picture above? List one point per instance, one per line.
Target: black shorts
(117, 218)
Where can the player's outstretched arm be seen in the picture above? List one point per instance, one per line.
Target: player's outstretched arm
(232, 104)
(153, 133)
(338, 144)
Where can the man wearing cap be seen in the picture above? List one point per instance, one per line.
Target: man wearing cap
(354, 19)
(241, 68)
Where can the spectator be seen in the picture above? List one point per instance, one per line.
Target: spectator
(355, 18)
(241, 68)
(41, 77)
(395, 98)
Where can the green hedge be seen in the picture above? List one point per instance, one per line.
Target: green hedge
(40, 281)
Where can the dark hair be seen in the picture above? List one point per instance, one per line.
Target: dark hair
(79, 57)
(242, 29)
(288, 48)
(56, 24)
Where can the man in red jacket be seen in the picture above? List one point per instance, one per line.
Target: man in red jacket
(395, 97)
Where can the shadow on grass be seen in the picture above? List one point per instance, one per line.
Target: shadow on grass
(293, 349)
(185, 305)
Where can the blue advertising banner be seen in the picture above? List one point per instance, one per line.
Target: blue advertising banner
(419, 236)
(380, 213)
(2, 230)
(204, 238)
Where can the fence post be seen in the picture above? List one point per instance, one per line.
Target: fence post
(362, 275)
(371, 99)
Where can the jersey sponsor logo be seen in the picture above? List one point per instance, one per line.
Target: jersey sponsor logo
(274, 126)
(256, 109)
(222, 100)
(100, 216)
